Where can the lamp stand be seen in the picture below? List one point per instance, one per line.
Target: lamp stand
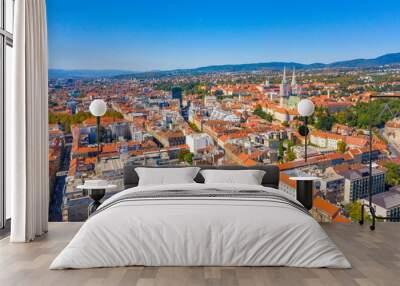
(98, 137)
(370, 185)
(305, 139)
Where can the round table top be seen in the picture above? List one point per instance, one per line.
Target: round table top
(303, 178)
(100, 187)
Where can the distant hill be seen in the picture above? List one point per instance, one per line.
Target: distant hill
(388, 59)
(61, 73)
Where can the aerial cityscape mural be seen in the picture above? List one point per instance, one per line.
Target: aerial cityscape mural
(206, 111)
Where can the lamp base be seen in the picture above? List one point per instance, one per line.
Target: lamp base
(96, 195)
(304, 193)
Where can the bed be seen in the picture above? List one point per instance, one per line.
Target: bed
(201, 224)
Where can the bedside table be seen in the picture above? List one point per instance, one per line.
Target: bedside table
(96, 191)
(304, 188)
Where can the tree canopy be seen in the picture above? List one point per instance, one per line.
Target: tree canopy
(358, 116)
(393, 173)
(66, 120)
(262, 114)
(354, 211)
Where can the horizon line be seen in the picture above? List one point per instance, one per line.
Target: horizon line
(212, 65)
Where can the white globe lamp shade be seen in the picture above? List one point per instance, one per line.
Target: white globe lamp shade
(98, 107)
(305, 107)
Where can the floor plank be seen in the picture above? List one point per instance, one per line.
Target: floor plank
(375, 257)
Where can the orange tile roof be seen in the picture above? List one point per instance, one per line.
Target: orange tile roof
(357, 141)
(325, 207)
(340, 218)
(76, 149)
(293, 112)
(310, 161)
(103, 121)
(249, 163)
(224, 138)
(109, 148)
(243, 157)
(283, 177)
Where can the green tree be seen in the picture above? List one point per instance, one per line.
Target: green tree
(354, 211)
(188, 158)
(341, 147)
(194, 127)
(185, 156)
(262, 114)
(393, 174)
(323, 120)
(182, 153)
(290, 144)
(290, 155)
(66, 120)
(359, 115)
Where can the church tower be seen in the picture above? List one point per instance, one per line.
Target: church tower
(283, 89)
(293, 85)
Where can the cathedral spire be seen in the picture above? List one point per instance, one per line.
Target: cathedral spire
(284, 75)
(293, 84)
(283, 87)
(294, 77)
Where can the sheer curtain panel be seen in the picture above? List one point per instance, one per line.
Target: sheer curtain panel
(27, 124)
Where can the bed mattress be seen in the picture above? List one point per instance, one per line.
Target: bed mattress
(201, 225)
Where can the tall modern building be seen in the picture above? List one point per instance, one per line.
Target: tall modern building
(177, 94)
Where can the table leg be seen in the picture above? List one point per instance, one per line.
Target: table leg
(304, 193)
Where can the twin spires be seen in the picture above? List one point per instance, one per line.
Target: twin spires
(293, 83)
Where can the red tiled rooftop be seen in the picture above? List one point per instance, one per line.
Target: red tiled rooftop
(103, 121)
(340, 218)
(325, 207)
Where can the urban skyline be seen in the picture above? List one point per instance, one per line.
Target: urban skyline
(245, 118)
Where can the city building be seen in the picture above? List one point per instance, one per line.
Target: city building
(177, 94)
(387, 204)
(392, 130)
(357, 181)
(198, 142)
(323, 211)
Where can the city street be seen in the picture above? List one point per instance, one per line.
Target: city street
(57, 194)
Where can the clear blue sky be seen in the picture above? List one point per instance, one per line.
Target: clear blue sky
(153, 34)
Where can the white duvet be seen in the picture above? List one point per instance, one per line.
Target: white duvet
(202, 232)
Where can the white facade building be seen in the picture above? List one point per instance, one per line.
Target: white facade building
(198, 142)
(218, 114)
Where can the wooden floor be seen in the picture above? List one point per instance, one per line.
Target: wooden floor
(375, 257)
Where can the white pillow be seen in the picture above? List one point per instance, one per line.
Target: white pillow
(166, 176)
(248, 177)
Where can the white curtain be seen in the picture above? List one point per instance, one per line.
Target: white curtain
(27, 124)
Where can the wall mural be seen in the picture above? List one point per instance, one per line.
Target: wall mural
(242, 114)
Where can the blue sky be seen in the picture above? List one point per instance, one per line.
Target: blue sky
(147, 35)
